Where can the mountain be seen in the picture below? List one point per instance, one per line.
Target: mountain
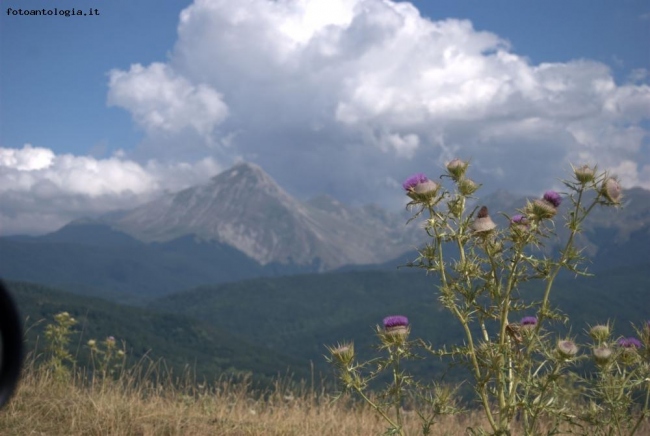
(300, 314)
(94, 259)
(244, 208)
(237, 226)
(241, 225)
(183, 342)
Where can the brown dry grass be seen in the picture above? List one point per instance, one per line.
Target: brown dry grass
(44, 405)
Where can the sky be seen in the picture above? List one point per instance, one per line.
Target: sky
(345, 97)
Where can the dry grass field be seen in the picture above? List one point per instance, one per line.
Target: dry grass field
(49, 405)
(45, 405)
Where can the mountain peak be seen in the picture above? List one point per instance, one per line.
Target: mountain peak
(246, 169)
(230, 209)
(245, 208)
(243, 180)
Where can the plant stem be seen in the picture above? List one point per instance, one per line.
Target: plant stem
(397, 380)
(468, 334)
(379, 410)
(644, 412)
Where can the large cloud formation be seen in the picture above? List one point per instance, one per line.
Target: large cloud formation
(351, 96)
(40, 191)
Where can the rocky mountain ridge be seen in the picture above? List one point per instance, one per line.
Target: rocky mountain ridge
(243, 207)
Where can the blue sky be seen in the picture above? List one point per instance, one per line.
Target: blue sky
(326, 110)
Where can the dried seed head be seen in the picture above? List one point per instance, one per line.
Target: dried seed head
(513, 330)
(483, 222)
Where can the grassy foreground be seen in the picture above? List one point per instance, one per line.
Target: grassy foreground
(47, 404)
(57, 396)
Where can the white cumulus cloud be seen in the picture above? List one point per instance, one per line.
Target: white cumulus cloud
(160, 100)
(340, 96)
(41, 191)
(360, 90)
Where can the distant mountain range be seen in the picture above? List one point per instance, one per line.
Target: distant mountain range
(183, 342)
(273, 325)
(242, 225)
(245, 209)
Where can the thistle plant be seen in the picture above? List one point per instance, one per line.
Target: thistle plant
(107, 358)
(622, 370)
(522, 373)
(395, 348)
(57, 336)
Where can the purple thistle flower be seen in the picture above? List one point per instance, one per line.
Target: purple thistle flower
(553, 197)
(519, 219)
(629, 343)
(413, 181)
(395, 321)
(528, 320)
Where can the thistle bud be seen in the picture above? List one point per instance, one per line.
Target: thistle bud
(457, 169)
(584, 174)
(467, 187)
(567, 349)
(611, 190)
(343, 353)
(483, 222)
(519, 223)
(602, 355)
(599, 333)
